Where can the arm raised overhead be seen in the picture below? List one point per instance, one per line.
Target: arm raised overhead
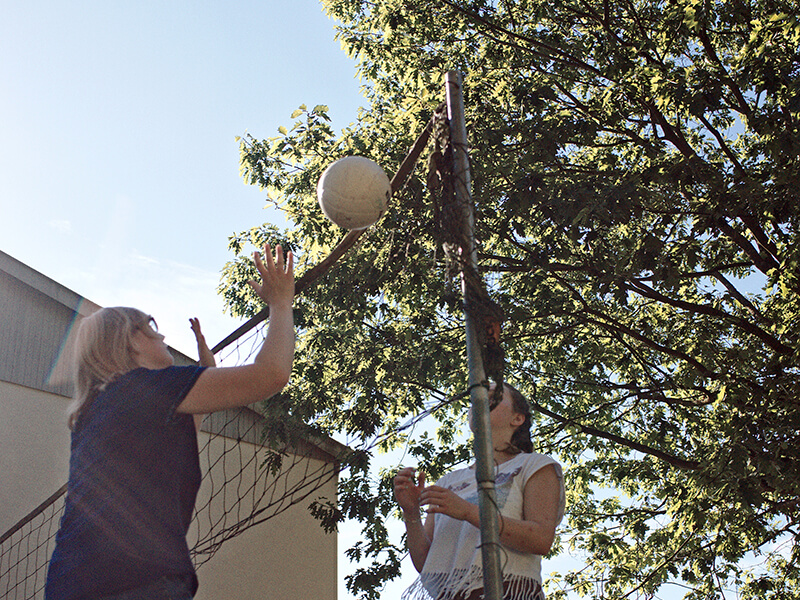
(219, 388)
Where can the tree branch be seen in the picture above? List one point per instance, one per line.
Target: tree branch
(702, 309)
(722, 143)
(708, 47)
(761, 262)
(550, 52)
(749, 306)
(680, 463)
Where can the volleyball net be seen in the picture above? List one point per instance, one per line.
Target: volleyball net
(246, 481)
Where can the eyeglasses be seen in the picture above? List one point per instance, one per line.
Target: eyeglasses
(151, 322)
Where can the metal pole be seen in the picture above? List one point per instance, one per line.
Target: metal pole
(479, 394)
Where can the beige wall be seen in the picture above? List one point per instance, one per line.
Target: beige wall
(35, 449)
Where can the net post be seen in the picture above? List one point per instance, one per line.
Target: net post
(479, 392)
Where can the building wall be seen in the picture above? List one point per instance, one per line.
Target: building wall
(288, 556)
(35, 456)
(36, 319)
(274, 562)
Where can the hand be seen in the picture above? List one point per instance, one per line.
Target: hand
(441, 500)
(407, 489)
(206, 357)
(194, 323)
(277, 278)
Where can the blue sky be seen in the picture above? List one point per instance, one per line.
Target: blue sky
(119, 174)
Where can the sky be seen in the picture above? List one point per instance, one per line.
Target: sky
(119, 165)
(119, 173)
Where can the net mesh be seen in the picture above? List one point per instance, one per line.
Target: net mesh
(25, 550)
(245, 483)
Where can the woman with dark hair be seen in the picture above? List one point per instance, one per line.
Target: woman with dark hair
(445, 548)
(134, 470)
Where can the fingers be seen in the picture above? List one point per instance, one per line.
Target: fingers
(406, 472)
(264, 262)
(430, 492)
(435, 497)
(271, 262)
(284, 264)
(405, 485)
(407, 476)
(290, 263)
(194, 323)
(280, 263)
(277, 275)
(404, 478)
(283, 259)
(257, 259)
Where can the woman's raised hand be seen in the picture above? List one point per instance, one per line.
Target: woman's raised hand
(408, 489)
(206, 357)
(276, 288)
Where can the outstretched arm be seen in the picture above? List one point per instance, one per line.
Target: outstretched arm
(205, 356)
(219, 388)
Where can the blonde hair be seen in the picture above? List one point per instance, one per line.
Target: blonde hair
(103, 352)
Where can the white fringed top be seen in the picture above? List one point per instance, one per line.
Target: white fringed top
(453, 565)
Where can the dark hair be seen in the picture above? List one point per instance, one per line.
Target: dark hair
(521, 438)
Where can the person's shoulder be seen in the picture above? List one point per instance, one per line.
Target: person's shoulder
(533, 461)
(124, 380)
(173, 370)
(536, 457)
(168, 373)
(178, 370)
(144, 382)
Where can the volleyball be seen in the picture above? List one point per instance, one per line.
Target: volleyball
(353, 192)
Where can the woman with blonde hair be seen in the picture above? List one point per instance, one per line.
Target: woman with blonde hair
(134, 467)
(445, 548)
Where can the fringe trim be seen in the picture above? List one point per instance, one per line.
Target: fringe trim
(462, 582)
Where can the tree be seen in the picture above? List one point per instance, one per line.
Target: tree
(635, 170)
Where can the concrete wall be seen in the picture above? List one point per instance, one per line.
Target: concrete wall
(35, 457)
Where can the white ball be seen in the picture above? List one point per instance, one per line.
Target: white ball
(353, 192)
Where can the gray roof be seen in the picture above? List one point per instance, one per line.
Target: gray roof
(37, 318)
